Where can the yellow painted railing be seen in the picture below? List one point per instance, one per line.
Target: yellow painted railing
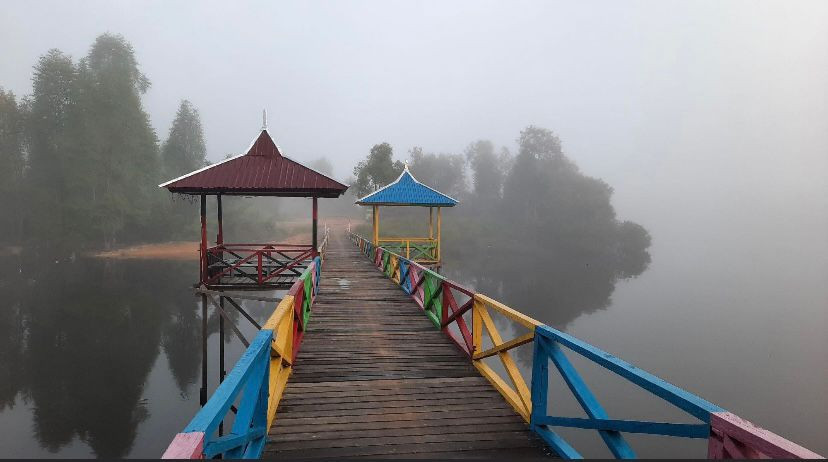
(281, 322)
(419, 249)
(516, 393)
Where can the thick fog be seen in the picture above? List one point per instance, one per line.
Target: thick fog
(707, 119)
(699, 114)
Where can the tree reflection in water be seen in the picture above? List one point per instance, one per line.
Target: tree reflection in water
(79, 338)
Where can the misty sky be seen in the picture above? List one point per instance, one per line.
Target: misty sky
(703, 116)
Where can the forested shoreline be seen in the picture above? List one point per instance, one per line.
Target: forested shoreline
(80, 160)
(81, 163)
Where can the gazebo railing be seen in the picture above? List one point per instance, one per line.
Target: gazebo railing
(419, 249)
(256, 264)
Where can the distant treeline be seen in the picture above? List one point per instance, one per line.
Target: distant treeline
(80, 162)
(533, 209)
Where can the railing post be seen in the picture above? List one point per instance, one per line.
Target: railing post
(540, 381)
(259, 254)
(477, 326)
(408, 248)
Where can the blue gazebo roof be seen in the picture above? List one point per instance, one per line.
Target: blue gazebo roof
(406, 190)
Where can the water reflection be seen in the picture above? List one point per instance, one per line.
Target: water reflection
(552, 285)
(79, 338)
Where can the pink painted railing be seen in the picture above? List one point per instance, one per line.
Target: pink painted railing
(732, 437)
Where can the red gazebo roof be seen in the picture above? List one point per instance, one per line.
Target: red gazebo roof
(261, 171)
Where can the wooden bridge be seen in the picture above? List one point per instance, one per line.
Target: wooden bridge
(377, 379)
(370, 354)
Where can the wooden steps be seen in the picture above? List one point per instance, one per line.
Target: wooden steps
(374, 378)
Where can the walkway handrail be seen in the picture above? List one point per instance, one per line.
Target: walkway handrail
(728, 435)
(260, 375)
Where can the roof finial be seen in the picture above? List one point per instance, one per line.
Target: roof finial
(264, 119)
(406, 164)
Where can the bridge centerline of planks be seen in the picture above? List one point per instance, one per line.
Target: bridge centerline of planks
(375, 378)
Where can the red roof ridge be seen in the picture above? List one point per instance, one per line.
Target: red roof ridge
(261, 170)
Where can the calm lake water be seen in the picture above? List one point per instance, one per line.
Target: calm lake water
(102, 358)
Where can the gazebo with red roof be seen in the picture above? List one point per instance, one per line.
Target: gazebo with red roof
(261, 171)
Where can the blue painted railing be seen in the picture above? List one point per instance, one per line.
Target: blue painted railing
(548, 347)
(259, 376)
(249, 377)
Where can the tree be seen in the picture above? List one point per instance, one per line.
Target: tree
(113, 145)
(12, 163)
(443, 172)
(376, 170)
(53, 84)
(323, 166)
(489, 169)
(184, 150)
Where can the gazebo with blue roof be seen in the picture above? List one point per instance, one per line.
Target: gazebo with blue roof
(407, 191)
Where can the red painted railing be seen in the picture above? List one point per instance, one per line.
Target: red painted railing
(257, 263)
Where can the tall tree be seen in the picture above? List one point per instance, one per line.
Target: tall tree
(444, 172)
(114, 143)
(184, 150)
(11, 164)
(376, 170)
(488, 167)
(53, 84)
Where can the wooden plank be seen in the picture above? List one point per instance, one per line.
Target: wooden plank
(462, 449)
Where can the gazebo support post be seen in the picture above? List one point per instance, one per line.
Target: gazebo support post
(315, 218)
(220, 236)
(431, 222)
(376, 225)
(203, 238)
(202, 396)
(439, 228)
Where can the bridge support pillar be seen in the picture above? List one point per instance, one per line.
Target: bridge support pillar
(203, 392)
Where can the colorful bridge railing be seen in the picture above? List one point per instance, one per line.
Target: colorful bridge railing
(260, 377)
(445, 303)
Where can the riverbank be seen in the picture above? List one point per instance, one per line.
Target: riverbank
(176, 250)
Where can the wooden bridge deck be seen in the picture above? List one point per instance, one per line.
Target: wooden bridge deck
(374, 378)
